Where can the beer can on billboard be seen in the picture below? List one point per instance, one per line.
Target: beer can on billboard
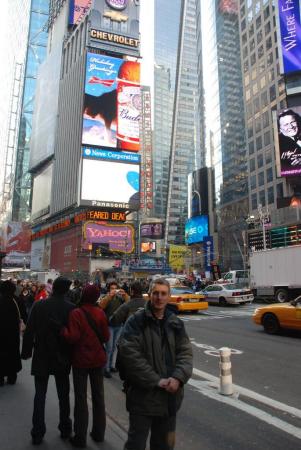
(128, 106)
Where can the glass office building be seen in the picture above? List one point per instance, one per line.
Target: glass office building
(185, 134)
(225, 126)
(36, 52)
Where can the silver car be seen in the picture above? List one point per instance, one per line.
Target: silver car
(224, 294)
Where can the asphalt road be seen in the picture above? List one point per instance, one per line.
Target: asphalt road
(267, 366)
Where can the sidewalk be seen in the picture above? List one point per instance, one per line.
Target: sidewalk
(16, 403)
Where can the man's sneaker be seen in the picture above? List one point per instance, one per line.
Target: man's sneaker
(78, 442)
(37, 440)
(107, 373)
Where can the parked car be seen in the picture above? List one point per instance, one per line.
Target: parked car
(276, 316)
(184, 299)
(241, 277)
(224, 294)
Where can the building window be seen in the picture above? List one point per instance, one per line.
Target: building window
(267, 28)
(259, 161)
(270, 195)
(250, 131)
(256, 105)
(253, 59)
(254, 201)
(272, 93)
(269, 174)
(266, 13)
(252, 165)
(268, 157)
(262, 197)
(258, 125)
(251, 147)
(261, 179)
(258, 22)
(259, 143)
(264, 99)
(259, 37)
(260, 52)
(268, 43)
(279, 190)
(267, 138)
(253, 181)
(270, 59)
(265, 119)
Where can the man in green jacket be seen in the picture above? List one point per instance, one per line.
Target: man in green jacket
(156, 356)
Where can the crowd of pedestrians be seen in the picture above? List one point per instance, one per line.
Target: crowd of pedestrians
(70, 325)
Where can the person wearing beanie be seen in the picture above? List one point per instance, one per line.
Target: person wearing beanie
(87, 331)
(51, 356)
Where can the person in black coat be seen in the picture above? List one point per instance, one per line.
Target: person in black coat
(10, 361)
(51, 356)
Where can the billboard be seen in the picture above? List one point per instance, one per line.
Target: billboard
(112, 104)
(41, 193)
(120, 238)
(16, 243)
(179, 255)
(152, 230)
(198, 192)
(208, 247)
(40, 254)
(77, 10)
(196, 229)
(289, 31)
(287, 130)
(115, 26)
(110, 179)
(148, 247)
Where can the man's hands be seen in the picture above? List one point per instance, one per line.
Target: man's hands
(170, 384)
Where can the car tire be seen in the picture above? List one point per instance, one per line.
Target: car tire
(222, 301)
(281, 295)
(270, 324)
(194, 311)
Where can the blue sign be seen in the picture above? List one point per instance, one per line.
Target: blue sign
(110, 155)
(208, 252)
(196, 229)
(290, 34)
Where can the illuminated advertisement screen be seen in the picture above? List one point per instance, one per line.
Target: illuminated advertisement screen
(196, 229)
(148, 247)
(152, 230)
(110, 179)
(289, 30)
(287, 129)
(112, 104)
(77, 10)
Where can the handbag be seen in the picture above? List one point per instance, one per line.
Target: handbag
(22, 326)
(94, 327)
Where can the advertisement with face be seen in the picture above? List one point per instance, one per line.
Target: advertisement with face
(152, 230)
(148, 247)
(119, 238)
(287, 129)
(111, 181)
(77, 10)
(196, 229)
(112, 103)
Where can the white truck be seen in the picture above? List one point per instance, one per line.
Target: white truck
(276, 273)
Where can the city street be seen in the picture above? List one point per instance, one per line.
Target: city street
(264, 415)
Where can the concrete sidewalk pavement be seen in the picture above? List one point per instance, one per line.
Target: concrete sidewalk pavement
(16, 404)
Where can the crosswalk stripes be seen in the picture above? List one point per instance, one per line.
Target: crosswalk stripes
(233, 313)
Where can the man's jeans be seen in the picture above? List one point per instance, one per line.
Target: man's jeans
(162, 432)
(111, 346)
(38, 418)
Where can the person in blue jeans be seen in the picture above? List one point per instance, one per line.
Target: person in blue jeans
(109, 304)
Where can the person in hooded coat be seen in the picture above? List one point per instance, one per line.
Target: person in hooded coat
(10, 360)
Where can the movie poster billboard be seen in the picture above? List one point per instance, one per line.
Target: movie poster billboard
(78, 10)
(289, 32)
(110, 179)
(287, 130)
(40, 254)
(112, 103)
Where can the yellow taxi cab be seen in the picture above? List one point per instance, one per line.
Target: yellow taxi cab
(276, 316)
(184, 299)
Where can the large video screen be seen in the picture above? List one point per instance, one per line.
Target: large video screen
(289, 35)
(287, 128)
(110, 179)
(152, 230)
(112, 104)
(196, 229)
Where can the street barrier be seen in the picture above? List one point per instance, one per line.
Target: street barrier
(226, 386)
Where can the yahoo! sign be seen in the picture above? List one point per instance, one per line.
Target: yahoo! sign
(290, 34)
(117, 4)
(121, 238)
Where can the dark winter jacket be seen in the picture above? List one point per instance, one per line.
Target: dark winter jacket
(87, 351)
(10, 361)
(151, 349)
(111, 304)
(51, 354)
(124, 311)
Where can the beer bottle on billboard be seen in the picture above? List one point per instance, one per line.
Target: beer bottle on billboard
(128, 106)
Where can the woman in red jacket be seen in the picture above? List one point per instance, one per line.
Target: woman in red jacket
(88, 359)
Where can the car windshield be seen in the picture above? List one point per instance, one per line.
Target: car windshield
(231, 287)
(181, 290)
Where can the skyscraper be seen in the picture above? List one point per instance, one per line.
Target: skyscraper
(225, 125)
(36, 52)
(185, 153)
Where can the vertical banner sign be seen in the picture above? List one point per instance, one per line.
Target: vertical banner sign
(146, 190)
(290, 34)
(208, 252)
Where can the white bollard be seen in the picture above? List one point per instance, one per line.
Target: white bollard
(225, 387)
